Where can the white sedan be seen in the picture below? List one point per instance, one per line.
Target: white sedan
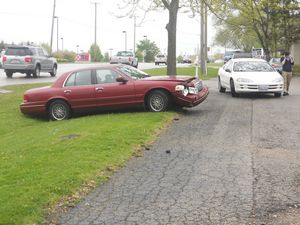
(249, 75)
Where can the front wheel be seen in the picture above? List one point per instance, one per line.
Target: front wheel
(221, 89)
(59, 110)
(277, 94)
(232, 89)
(158, 101)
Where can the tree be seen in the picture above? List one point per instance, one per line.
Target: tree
(95, 52)
(149, 48)
(274, 22)
(106, 57)
(173, 7)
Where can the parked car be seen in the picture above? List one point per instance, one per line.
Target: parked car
(1, 56)
(229, 54)
(187, 59)
(240, 55)
(276, 64)
(110, 87)
(28, 60)
(249, 75)
(161, 58)
(124, 57)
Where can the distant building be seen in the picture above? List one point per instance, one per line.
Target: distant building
(82, 57)
(295, 52)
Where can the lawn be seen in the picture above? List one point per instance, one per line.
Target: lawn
(296, 70)
(42, 162)
(189, 71)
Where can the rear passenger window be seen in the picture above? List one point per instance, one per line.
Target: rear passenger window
(80, 78)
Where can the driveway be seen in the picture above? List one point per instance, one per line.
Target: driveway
(231, 161)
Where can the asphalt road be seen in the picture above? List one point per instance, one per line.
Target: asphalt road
(231, 161)
(19, 78)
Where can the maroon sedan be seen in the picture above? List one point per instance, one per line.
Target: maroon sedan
(110, 87)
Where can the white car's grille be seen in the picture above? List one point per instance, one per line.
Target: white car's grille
(269, 87)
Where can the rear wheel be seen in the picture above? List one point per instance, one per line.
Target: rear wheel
(8, 73)
(54, 71)
(37, 71)
(232, 89)
(28, 75)
(59, 110)
(221, 89)
(158, 101)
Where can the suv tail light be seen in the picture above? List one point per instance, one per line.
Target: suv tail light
(28, 59)
(4, 58)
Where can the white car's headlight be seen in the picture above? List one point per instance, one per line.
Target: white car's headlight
(244, 80)
(278, 80)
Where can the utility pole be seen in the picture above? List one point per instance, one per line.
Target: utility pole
(202, 39)
(134, 33)
(56, 17)
(96, 3)
(53, 15)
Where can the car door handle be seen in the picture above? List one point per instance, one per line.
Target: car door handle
(67, 91)
(99, 89)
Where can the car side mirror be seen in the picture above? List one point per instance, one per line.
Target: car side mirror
(121, 80)
(228, 70)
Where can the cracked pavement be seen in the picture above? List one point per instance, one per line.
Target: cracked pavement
(231, 161)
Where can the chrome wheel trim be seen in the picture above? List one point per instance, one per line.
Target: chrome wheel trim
(59, 111)
(157, 103)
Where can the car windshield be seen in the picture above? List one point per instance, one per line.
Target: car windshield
(252, 66)
(18, 51)
(132, 72)
(125, 54)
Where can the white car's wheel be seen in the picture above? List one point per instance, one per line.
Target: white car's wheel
(232, 89)
(221, 89)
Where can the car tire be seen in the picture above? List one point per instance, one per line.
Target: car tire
(277, 94)
(37, 71)
(59, 110)
(221, 89)
(54, 71)
(158, 101)
(232, 89)
(8, 73)
(28, 75)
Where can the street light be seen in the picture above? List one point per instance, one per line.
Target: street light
(77, 46)
(56, 17)
(62, 44)
(125, 32)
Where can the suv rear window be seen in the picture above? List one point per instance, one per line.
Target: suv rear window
(18, 51)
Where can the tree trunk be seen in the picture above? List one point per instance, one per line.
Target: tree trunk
(171, 28)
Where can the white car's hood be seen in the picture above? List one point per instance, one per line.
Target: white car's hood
(258, 77)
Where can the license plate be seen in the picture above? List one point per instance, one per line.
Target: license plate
(14, 61)
(263, 87)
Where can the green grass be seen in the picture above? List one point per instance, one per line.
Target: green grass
(296, 70)
(40, 162)
(189, 71)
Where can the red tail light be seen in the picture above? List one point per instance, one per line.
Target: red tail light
(25, 99)
(28, 59)
(4, 58)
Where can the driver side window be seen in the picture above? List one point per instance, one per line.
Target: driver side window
(106, 76)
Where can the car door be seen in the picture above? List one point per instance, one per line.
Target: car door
(79, 90)
(48, 61)
(110, 92)
(227, 74)
(42, 59)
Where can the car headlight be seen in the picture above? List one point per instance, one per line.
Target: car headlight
(244, 80)
(179, 88)
(278, 80)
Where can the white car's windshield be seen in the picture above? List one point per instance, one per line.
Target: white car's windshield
(132, 72)
(252, 66)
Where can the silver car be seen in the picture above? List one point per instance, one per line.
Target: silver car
(28, 60)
